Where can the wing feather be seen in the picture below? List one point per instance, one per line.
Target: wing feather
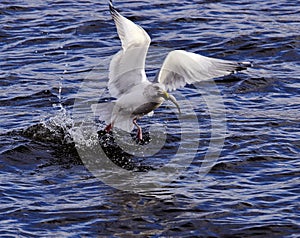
(127, 67)
(181, 67)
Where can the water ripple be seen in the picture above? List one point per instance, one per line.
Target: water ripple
(49, 48)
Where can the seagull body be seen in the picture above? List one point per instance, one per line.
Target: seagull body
(136, 95)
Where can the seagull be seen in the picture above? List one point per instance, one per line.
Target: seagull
(135, 95)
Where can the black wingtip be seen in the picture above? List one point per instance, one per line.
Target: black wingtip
(112, 8)
(247, 64)
(243, 66)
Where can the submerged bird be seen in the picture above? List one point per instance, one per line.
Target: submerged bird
(136, 95)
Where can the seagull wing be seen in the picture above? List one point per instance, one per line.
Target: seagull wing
(181, 67)
(127, 67)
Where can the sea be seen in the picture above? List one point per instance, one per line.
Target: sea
(227, 166)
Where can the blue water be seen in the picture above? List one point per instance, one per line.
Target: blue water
(54, 59)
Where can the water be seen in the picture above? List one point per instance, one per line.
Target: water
(55, 56)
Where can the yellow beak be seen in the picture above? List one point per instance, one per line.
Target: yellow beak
(166, 95)
(172, 99)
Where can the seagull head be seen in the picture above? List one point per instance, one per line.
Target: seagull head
(160, 92)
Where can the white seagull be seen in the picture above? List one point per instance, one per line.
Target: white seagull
(136, 95)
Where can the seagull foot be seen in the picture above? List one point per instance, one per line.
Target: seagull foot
(139, 139)
(108, 128)
(139, 134)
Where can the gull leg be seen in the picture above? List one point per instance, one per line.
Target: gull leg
(109, 127)
(139, 133)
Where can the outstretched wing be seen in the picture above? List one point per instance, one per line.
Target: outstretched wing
(181, 67)
(127, 68)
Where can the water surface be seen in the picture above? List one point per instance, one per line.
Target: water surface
(50, 50)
